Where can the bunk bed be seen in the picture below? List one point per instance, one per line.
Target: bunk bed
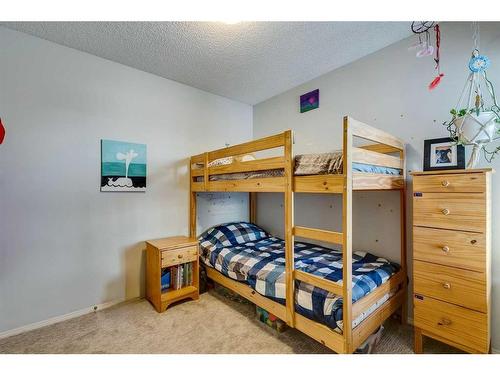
(368, 167)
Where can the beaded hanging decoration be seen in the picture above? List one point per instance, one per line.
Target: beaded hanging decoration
(436, 81)
(422, 29)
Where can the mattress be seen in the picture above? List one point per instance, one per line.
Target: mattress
(261, 264)
(307, 164)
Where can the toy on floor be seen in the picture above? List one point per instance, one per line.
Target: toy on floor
(371, 342)
(272, 321)
(205, 282)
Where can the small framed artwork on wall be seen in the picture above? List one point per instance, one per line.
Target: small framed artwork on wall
(443, 153)
(123, 166)
(309, 101)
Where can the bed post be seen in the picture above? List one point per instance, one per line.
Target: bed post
(402, 204)
(288, 201)
(347, 238)
(206, 179)
(252, 207)
(192, 203)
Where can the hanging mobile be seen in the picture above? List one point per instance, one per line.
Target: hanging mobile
(476, 117)
(421, 29)
(436, 81)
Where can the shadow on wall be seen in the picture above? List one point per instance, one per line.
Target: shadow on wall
(174, 174)
(134, 256)
(134, 268)
(182, 168)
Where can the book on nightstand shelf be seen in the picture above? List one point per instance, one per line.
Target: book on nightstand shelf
(179, 277)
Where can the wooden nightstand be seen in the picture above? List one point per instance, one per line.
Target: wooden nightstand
(167, 253)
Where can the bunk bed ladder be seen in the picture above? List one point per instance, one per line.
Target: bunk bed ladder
(343, 238)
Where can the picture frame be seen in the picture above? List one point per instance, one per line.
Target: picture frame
(309, 101)
(443, 153)
(123, 166)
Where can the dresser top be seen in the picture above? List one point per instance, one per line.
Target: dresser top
(172, 242)
(453, 171)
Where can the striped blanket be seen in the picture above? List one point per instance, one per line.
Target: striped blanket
(244, 252)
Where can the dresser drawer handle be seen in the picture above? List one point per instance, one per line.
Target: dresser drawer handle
(473, 242)
(446, 249)
(446, 285)
(445, 183)
(444, 322)
(445, 211)
(180, 256)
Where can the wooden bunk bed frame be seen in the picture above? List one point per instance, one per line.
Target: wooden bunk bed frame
(376, 153)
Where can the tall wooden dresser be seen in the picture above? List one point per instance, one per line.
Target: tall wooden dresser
(452, 258)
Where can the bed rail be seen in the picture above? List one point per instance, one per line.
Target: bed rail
(391, 285)
(386, 151)
(200, 166)
(319, 234)
(362, 155)
(362, 130)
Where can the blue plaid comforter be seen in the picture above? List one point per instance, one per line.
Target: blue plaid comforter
(260, 262)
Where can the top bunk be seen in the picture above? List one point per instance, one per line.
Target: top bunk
(377, 164)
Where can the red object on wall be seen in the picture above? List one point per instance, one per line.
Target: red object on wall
(2, 132)
(435, 81)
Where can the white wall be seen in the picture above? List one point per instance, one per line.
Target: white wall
(64, 245)
(388, 90)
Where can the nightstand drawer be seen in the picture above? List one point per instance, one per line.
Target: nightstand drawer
(455, 183)
(450, 248)
(178, 256)
(457, 211)
(461, 287)
(457, 324)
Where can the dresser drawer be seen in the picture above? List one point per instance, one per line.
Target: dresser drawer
(458, 211)
(178, 256)
(454, 285)
(457, 324)
(450, 248)
(456, 183)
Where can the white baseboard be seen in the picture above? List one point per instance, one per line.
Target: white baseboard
(61, 318)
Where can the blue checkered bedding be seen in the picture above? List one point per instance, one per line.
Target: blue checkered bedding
(245, 252)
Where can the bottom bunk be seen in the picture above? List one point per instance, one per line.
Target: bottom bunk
(245, 259)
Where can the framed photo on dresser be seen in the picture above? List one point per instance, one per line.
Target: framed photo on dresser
(443, 153)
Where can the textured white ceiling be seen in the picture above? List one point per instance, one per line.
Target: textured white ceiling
(248, 61)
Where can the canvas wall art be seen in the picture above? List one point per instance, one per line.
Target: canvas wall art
(123, 166)
(309, 101)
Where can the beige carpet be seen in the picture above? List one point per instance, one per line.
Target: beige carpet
(214, 324)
